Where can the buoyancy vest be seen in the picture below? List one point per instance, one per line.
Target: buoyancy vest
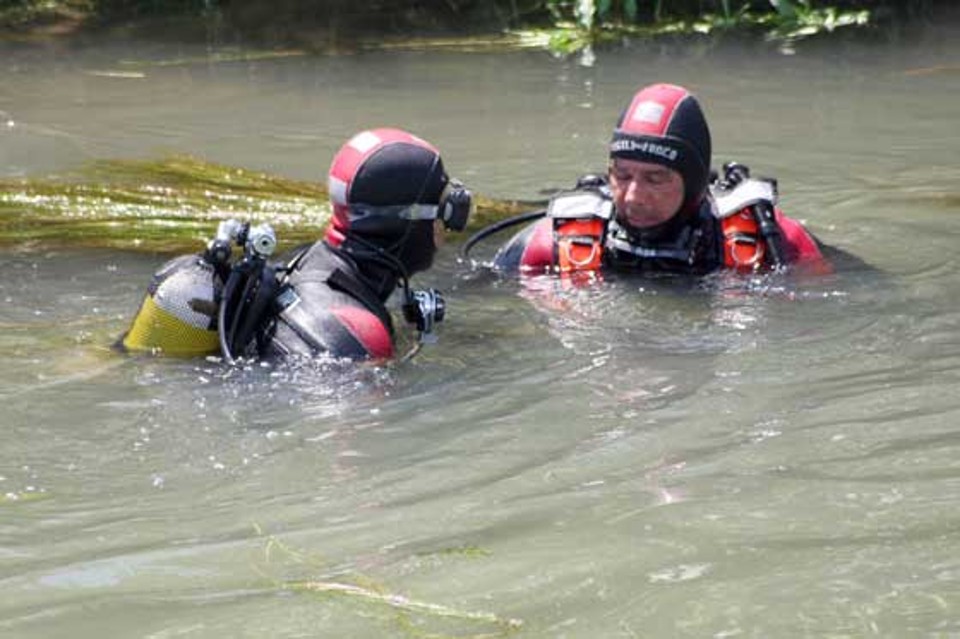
(751, 232)
(586, 236)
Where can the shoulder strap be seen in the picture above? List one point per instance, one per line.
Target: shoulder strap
(750, 198)
(684, 249)
(752, 237)
(348, 283)
(325, 266)
(747, 193)
(579, 220)
(581, 204)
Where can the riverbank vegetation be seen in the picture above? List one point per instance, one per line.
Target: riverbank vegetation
(561, 25)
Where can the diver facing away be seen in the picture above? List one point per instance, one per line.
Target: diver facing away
(390, 192)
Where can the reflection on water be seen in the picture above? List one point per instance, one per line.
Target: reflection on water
(731, 456)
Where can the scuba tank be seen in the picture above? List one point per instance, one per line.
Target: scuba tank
(184, 312)
(178, 315)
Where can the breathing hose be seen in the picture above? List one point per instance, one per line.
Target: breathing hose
(496, 227)
(770, 231)
(259, 284)
(229, 292)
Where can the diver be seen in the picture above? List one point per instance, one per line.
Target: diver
(390, 192)
(659, 208)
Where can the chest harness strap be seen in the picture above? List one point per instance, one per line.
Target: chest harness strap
(747, 209)
(685, 249)
(580, 221)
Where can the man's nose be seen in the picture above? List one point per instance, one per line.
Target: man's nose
(636, 191)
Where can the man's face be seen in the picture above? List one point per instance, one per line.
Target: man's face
(644, 194)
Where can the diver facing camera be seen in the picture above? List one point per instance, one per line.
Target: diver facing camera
(656, 210)
(390, 194)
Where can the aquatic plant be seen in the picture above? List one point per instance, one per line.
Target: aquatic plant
(170, 205)
(415, 618)
(160, 205)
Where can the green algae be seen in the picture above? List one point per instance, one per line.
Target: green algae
(169, 205)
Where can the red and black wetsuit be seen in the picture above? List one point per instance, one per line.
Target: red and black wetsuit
(327, 306)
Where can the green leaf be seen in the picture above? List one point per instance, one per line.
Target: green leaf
(785, 8)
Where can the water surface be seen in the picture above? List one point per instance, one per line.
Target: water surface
(770, 457)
